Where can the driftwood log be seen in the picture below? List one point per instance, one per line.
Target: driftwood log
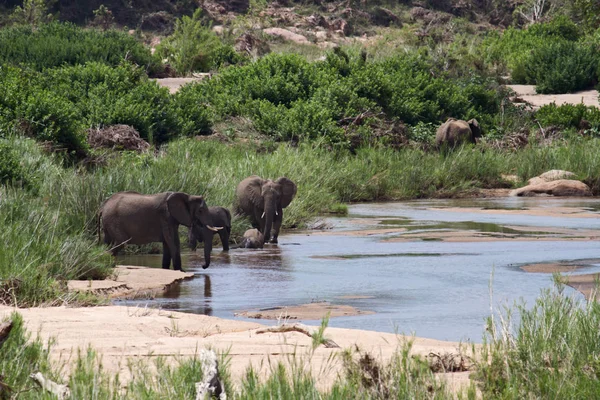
(211, 385)
(297, 328)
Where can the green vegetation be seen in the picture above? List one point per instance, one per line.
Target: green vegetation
(551, 353)
(554, 56)
(194, 47)
(55, 44)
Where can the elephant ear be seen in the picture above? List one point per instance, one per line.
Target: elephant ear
(475, 128)
(254, 192)
(178, 207)
(288, 191)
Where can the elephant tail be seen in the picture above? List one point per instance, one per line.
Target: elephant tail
(98, 220)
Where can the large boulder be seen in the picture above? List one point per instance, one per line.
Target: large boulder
(286, 34)
(552, 175)
(561, 187)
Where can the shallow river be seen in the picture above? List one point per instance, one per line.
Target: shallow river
(423, 267)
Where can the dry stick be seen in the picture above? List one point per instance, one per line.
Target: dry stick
(60, 391)
(296, 328)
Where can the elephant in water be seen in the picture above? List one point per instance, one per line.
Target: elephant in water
(456, 131)
(252, 239)
(134, 218)
(220, 216)
(263, 201)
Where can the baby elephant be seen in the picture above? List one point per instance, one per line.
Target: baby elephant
(220, 216)
(253, 239)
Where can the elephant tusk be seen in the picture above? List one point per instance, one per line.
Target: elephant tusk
(263, 215)
(276, 213)
(215, 229)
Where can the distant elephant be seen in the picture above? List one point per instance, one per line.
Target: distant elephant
(252, 239)
(456, 131)
(263, 201)
(219, 216)
(134, 218)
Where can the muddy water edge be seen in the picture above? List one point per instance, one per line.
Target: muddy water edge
(432, 268)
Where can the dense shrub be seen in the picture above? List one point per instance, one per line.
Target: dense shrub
(562, 67)
(289, 98)
(58, 104)
(42, 113)
(194, 47)
(568, 115)
(11, 170)
(54, 44)
(554, 56)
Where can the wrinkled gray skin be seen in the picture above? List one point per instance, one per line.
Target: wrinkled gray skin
(263, 201)
(134, 218)
(252, 239)
(220, 217)
(456, 131)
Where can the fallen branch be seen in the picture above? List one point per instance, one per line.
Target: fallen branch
(60, 391)
(297, 328)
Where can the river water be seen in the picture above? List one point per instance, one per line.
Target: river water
(423, 267)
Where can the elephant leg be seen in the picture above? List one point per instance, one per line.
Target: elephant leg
(166, 259)
(172, 247)
(176, 255)
(224, 235)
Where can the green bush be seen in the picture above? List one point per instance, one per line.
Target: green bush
(562, 67)
(58, 104)
(568, 115)
(551, 55)
(194, 47)
(11, 170)
(288, 98)
(58, 43)
(42, 113)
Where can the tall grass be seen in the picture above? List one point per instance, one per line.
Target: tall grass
(552, 353)
(52, 227)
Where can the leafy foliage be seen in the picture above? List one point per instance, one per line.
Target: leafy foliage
(194, 47)
(568, 115)
(54, 44)
(553, 55)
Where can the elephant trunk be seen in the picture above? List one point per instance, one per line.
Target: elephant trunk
(207, 235)
(269, 214)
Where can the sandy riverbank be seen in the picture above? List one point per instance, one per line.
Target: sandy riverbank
(120, 333)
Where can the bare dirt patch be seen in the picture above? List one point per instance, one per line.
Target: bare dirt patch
(173, 84)
(528, 94)
(132, 282)
(311, 311)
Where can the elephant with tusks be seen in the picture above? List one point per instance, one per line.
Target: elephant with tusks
(134, 218)
(263, 201)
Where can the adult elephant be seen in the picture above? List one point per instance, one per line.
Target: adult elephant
(134, 218)
(456, 131)
(263, 201)
(219, 216)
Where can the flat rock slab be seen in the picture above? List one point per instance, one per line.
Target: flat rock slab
(132, 282)
(561, 187)
(311, 311)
